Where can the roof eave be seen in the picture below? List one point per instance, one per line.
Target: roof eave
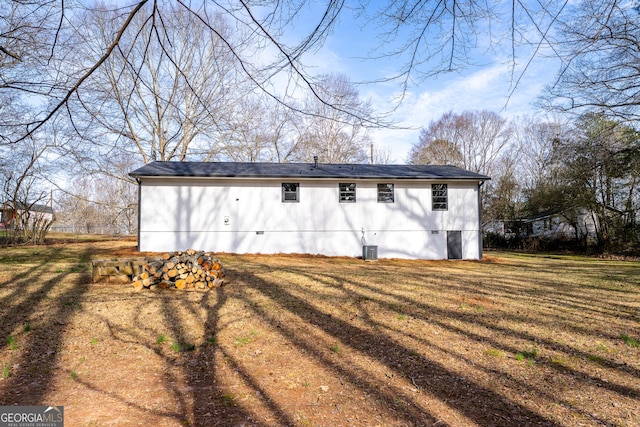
(319, 177)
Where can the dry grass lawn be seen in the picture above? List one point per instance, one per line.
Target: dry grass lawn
(513, 340)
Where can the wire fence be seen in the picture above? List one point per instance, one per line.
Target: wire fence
(92, 229)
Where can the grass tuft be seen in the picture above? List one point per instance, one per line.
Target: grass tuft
(494, 352)
(182, 347)
(72, 304)
(559, 361)
(597, 359)
(228, 398)
(529, 355)
(12, 343)
(631, 342)
(240, 341)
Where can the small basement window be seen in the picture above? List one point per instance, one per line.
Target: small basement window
(290, 192)
(439, 197)
(385, 193)
(347, 192)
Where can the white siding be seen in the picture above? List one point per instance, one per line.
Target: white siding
(176, 214)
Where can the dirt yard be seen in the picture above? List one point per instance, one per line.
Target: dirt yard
(513, 340)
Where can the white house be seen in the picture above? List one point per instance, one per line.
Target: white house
(572, 223)
(20, 215)
(568, 224)
(400, 211)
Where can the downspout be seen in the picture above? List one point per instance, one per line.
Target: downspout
(480, 184)
(139, 208)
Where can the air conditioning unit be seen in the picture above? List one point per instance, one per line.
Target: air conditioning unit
(370, 253)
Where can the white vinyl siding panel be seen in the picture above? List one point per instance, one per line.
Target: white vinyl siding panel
(178, 213)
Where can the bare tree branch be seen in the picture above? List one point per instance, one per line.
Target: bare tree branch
(85, 76)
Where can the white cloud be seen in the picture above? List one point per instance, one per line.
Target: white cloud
(485, 89)
(482, 88)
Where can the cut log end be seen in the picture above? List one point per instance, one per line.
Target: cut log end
(190, 269)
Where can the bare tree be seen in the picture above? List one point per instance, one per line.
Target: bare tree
(380, 154)
(598, 45)
(601, 159)
(255, 131)
(426, 38)
(477, 141)
(23, 194)
(435, 151)
(137, 36)
(26, 31)
(330, 134)
(595, 173)
(473, 140)
(162, 90)
(505, 200)
(77, 212)
(537, 142)
(420, 38)
(99, 205)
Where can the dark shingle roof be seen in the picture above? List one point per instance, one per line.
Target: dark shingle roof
(302, 170)
(25, 207)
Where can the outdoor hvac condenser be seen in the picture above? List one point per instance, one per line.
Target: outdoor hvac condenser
(370, 253)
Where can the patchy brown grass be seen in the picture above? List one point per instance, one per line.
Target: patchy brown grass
(514, 340)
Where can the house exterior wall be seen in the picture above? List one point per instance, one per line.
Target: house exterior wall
(248, 216)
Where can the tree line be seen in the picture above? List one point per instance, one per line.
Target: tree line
(90, 90)
(586, 169)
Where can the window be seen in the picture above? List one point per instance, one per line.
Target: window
(439, 198)
(347, 192)
(290, 192)
(385, 193)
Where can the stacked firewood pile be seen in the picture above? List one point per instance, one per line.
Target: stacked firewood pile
(182, 270)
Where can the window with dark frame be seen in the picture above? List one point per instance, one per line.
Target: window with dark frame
(347, 192)
(290, 192)
(439, 197)
(385, 193)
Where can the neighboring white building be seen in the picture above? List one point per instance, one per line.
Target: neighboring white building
(571, 223)
(406, 211)
(16, 216)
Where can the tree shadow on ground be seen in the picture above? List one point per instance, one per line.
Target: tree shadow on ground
(475, 402)
(195, 377)
(34, 325)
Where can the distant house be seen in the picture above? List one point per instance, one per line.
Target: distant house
(404, 211)
(15, 216)
(569, 224)
(508, 228)
(573, 223)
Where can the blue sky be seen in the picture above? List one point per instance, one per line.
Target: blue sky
(483, 87)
